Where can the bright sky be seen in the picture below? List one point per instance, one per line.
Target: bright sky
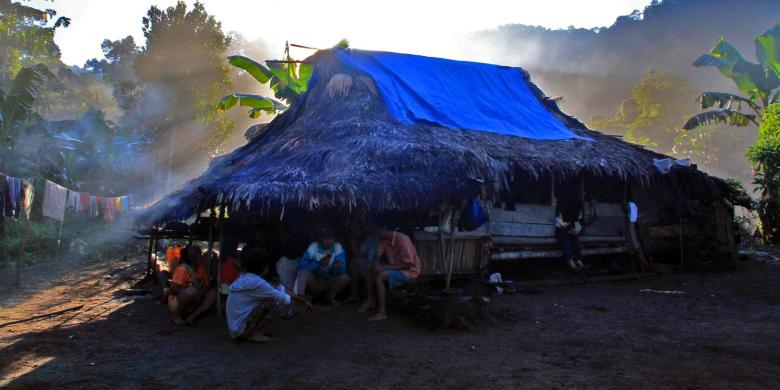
(432, 27)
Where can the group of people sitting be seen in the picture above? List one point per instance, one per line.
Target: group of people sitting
(260, 288)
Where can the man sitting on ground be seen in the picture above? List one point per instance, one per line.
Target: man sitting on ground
(253, 302)
(322, 268)
(190, 293)
(401, 266)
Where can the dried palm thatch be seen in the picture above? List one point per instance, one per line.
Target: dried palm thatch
(337, 146)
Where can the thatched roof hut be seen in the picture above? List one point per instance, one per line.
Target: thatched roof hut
(344, 150)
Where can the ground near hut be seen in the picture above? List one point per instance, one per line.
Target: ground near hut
(721, 332)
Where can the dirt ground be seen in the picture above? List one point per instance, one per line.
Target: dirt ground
(720, 332)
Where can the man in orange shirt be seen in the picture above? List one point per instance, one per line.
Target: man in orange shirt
(401, 267)
(190, 293)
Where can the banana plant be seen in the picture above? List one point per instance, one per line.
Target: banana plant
(287, 78)
(757, 82)
(16, 104)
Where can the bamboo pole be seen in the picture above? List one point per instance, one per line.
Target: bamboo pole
(20, 255)
(210, 247)
(149, 259)
(682, 258)
(62, 222)
(219, 263)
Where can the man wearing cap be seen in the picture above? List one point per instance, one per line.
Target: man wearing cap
(322, 268)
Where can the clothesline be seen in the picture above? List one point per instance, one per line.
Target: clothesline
(44, 178)
(16, 198)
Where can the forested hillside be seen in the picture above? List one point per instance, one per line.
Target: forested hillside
(597, 70)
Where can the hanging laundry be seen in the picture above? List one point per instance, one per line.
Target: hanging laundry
(84, 200)
(664, 165)
(54, 199)
(117, 204)
(73, 201)
(3, 191)
(14, 186)
(26, 198)
(126, 203)
(108, 209)
(94, 205)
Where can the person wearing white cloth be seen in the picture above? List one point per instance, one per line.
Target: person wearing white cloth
(253, 303)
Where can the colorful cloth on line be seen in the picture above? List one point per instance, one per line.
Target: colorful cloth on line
(55, 197)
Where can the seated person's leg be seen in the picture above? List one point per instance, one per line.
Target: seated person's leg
(396, 279)
(335, 285)
(374, 271)
(358, 270)
(206, 301)
(186, 301)
(564, 242)
(259, 319)
(286, 269)
(308, 281)
(380, 291)
(576, 250)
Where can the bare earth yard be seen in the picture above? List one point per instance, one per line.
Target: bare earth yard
(722, 332)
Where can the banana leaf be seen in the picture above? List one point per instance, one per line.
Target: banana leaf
(254, 68)
(257, 103)
(19, 99)
(768, 49)
(722, 100)
(729, 117)
(305, 72)
(750, 78)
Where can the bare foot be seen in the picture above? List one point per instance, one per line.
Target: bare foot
(259, 338)
(177, 320)
(190, 321)
(365, 306)
(335, 303)
(378, 317)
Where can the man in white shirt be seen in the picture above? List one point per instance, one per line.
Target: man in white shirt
(253, 303)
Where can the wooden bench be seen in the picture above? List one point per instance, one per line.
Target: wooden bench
(529, 231)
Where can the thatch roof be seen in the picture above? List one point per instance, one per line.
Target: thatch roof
(332, 150)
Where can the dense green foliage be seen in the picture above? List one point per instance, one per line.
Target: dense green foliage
(26, 38)
(652, 117)
(765, 155)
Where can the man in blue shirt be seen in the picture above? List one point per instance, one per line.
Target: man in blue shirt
(323, 268)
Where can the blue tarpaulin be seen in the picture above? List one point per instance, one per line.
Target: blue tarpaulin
(457, 94)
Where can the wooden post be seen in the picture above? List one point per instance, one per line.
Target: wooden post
(155, 241)
(20, 255)
(210, 247)
(682, 261)
(454, 220)
(62, 222)
(552, 189)
(219, 263)
(149, 271)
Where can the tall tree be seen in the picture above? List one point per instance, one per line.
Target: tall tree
(118, 68)
(184, 62)
(27, 38)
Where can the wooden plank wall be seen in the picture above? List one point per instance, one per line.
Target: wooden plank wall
(467, 255)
